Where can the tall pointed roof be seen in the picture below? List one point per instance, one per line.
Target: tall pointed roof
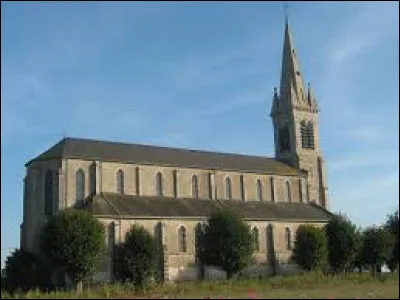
(291, 77)
(292, 91)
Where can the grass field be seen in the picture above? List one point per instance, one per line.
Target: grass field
(356, 286)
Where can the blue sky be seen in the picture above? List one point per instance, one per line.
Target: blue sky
(201, 76)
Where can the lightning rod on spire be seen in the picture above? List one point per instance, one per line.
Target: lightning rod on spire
(286, 11)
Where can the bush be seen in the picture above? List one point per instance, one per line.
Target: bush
(227, 242)
(136, 257)
(311, 248)
(20, 272)
(342, 241)
(358, 261)
(74, 240)
(392, 226)
(377, 245)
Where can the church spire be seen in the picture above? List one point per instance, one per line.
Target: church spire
(291, 77)
(292, 91)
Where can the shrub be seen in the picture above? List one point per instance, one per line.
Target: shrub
(310, 249)
(342, 241)
(136, 257)
(20, 271)
(392, 226)
(74, 240)
(358, 261)
(227, 242)
(377, 244)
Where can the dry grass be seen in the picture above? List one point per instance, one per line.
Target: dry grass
(361, 286)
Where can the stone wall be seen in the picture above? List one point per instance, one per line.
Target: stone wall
(181, 266)
(141, 179)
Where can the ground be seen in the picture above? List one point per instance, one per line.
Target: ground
(353, 286)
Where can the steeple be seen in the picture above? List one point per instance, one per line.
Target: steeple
(292, 85)
(292, 92)
(295, 118)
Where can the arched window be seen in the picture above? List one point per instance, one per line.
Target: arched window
(288, 238)
(256, 239)
(48, 193)
(195, 187)
(301, 196)
(92, 176)
(228, 188)
(159, 184)
(198, 232)
(310, 135)
(242, 193)
(270, 239)
(80, 187)
(175, 182)
(307, 135)
(259, 190)
(284, 141)
(210, 185)
(271, 180)
(304, 135)
(137, 175)
(288, 192)
(120, 182)
(182, 239)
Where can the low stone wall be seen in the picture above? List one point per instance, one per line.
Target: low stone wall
(215, 273)
(286, 269)
(211, 272)
(180, 274)
(183, 274)
(256, 271)
(99, 277)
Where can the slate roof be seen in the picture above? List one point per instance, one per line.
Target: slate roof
(154, 155)
(128, 206)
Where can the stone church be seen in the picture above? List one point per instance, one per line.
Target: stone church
(171, 191)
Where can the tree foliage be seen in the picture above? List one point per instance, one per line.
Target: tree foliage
(392, 226)
(20, 271)
(377, 245)
(342, 242)
(227, 242)
(358, 261)
(136, 257)
(74, 240)
(311, 248)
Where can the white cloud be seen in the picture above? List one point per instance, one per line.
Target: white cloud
(367, 133)
(366, 199)
(372, 24)
(344, 117)
(352, 162)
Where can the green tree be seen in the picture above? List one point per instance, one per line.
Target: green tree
(358, 260)
(311, 248)
(74, 240)
(227, 242)
(20, 271)
(342, 241)
(136, 256)
(392, 226)
(377, 245)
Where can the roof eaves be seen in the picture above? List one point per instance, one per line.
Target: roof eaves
(299, 220)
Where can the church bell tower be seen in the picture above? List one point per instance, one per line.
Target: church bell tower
(295, 119)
